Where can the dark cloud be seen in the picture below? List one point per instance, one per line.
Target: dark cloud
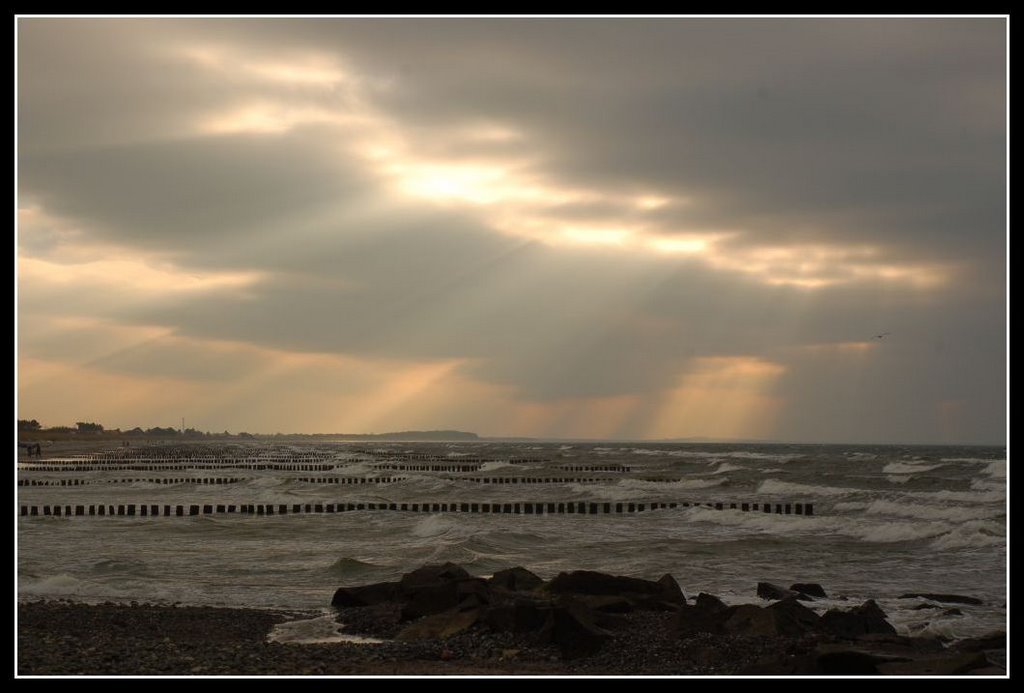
(790, 133)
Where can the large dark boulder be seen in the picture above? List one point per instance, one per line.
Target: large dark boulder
(670, 590)
(424, 599)
(365, 595)
(663, 595)
(440, 626)
(811, 589)
(767, 590)
(574, 629)
(516, 579)
(995, 640)
(592, 582)
(785, 618)
(518, 616)
(865, 619)
(431, 575)
(707, 615)
(710, 603)
(793, 618)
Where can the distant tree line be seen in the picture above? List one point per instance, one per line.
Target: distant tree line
(34, 430)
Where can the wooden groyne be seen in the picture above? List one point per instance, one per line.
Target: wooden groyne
(204, 481)
(520, 508)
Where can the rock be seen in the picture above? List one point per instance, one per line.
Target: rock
(433, 598)
(766, 590)
(519, 616)
(952, 598)
(710, 603)
(591, 582)
(608, 603)
(784, 618)
(671, 591)
(748, 619)
(440, 626)
(430, 575)
(951, 664)
(860, 620)
(899, 645)
(996, 640)
(366, 595)
(811, 589)
(516, 579)
(793, 618)
(573, 629)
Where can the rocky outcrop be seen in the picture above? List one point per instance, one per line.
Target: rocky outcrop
(516, 579)
(767, 590)
(811, 589)
(365, 595)
(861, 620)
(588, 616)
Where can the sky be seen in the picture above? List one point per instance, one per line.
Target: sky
(788, 229)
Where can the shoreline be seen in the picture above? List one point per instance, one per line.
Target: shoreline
(68, 638)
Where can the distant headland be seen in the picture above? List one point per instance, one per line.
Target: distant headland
(32, 430)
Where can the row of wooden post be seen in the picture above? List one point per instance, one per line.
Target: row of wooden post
(209, 480)
(90, 467)
(573, 507)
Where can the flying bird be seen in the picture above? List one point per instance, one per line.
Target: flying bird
(879, 336)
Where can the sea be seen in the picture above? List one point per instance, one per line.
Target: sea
(884, 521)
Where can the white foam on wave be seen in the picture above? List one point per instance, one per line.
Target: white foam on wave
(957, 513)
(892, 532)
(491, 466)
(850, 505)
(311, 631)
(53, 585)
(432, 526)
(974, 460)
(266, 482)
(868, 530)
(898, 478)
(727, 467)
(621, 491)
(971, 535)
(681, 485)
(778, 486)
(984, 485)
(902, 468)
(994, 496)
(996, 469)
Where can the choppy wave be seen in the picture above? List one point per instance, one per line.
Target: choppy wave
(777, 486)
(975, 460)
(996, 469)
(902, 468)
(971, 535)
(53, 585)
(433, 526)
(350, 567)
(932, 512)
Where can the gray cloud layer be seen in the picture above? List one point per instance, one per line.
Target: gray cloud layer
(881, 133)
